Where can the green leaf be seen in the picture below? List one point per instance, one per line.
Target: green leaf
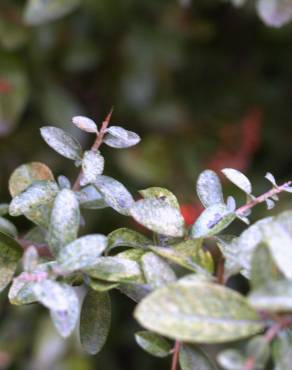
(275, 13)
(21, 291)
(198, 311)
(258, 348)
(232, 359)
(157, 272)
(81, 253)
(90, 198)
(26, 174)
(282, 354)
(158, 216)
(124, 237)
(193, 358)
(274, 296)
(118, 137)
(226, 244)
(100, 285)
(38, 12)
(161, 193)
(213, 220)
(153, 343)
(115, 194)
(116, 269)
(62, 142)
(238, 179)
(134, 291)
(92, 166)
(4, 208)
(7, 227)
(209, 189)
(95, 320)
(85, 124)
(10, 254)
(64, 223)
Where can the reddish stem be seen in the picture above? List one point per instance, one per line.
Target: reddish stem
(175, 355)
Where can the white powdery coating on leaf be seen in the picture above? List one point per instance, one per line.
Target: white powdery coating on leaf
(209, 189)
(157, 272)
(118, 137)
(157, 215)
(115, 194)
(51, 294)
(238, 179)
(61, 142)
(275, 12)
(85, 124)
(92, 166)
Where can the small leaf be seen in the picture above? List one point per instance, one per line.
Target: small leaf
(10, 254)
(258, 349)
(209, 189)
(158, 216)
(64, 223)
(124, 237)
(118, 137)
(64, 182)
(136, 292)
(270, 204)
(115, 194)
(193, 358)
(39, 11)
(51, 294)
(95, 320)
(90, 198)
(25, 175)
(271, 178)
(81, 253)
(30, 259)
(198, 311)
(226, 245)
(161, 193)
(157, 272)
(231, 204)
(21, 291)
(85, 124)
(92, 166)
(153, 343)
(213, 220)
(62, 142)
(275, 13)
(288, 189)
(238, 179)
(231, 359)
(8, 227)
(282, 354)
(99, 285)
(4, 208)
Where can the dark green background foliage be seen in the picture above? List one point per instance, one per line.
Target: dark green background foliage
(205, 85)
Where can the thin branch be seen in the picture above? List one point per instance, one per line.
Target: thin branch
(175, 355)
(262, 198)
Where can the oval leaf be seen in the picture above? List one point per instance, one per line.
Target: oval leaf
(209, 189)
(161, 193)
(92, 166)
(193, 358)
(153, 343)
(85, 124)
(118, 137)
(124, 237)
(238, 179)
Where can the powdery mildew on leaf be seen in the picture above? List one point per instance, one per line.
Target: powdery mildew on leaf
(124, 237)
(161, 193)
(209, 189)
(238, 179)
(118, 137)
(153, 343)
(158, 216)
(85, 124)
(92, 166)
(275, 13)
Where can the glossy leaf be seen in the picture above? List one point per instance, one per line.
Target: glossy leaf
(115, 194)
(213, 220)
(64, 223)
(85, 124)
(95, 320)
(158, 216)
(10, 254)
(62, 142)
(81, 253)
(118, 137)
(25, 175)
(153, 343)
(161, 193)
(198, 311)
(209, 189)
(92, 166)
(238, 179)
(193, 358)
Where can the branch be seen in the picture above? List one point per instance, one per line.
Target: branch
(175, 355)
(262, 198)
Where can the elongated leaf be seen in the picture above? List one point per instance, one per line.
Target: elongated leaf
(116, 269)
(209, 189)
(90, 198)
(157, 272)
(134, 291)
(275, 13)
(64, 220)
(282, 354)
(95, 320)
(198, 311)
(213, 220)
(10, 254)
(271, 178)
(157, 215)
(92, 166)
(238, 179)
(161, 193)
(100, 285)
(42, 11)
(153, 343)
(62, 142)
(226, 244)
(26, 174)
(118, 137)
(82, 253)
(124, 237)
(7, 227)
(85, 124)
(115, 194)
(51, 294)
(21, 291)
(193, 358)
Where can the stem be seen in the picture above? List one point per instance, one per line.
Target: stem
(175, 355)
(279, 189)
(97, 143)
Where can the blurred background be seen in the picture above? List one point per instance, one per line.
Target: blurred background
(205, 84)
